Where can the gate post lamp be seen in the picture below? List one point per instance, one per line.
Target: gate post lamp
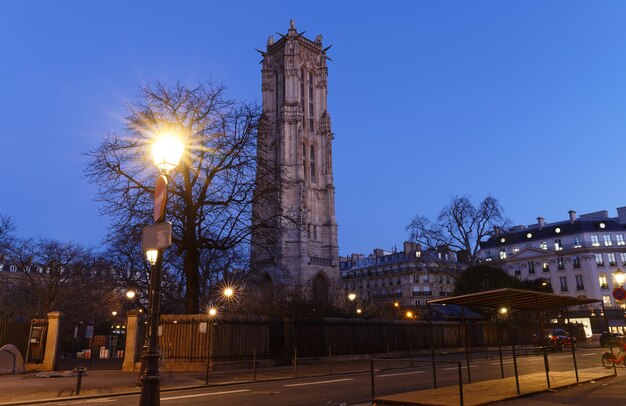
(166, 151)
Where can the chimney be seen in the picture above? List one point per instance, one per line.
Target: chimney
(540, 221)
(409, 247)
(354, 258)
(378, 252)
(572, 216)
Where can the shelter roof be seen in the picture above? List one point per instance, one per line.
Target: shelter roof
(516, 299)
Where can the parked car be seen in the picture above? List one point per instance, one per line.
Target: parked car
(611, 339)
(557, 339)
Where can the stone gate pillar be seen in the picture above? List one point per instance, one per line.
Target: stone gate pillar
(52, 341)
(132, 338)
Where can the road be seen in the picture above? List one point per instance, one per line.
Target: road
(391, 376)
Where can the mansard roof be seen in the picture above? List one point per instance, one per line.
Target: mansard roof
(519, 235)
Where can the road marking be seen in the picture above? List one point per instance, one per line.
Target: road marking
(402, 373)
(462, 367)
(320, 382)
(206, 394)
(587, 355)
(504, 362)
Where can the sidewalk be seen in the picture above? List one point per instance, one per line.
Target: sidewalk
(28, 388)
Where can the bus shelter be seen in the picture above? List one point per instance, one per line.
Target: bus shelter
(506, 300)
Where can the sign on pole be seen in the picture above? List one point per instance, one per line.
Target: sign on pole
(156, 237)
(619, 293)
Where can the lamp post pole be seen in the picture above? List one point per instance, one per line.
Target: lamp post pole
(167, 152)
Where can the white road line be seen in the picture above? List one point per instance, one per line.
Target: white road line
(587, 355)
(206, 394)
(504, 362)
(462, 367)
(401, 373)
(320, 382)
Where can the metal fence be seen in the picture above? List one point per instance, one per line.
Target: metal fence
(16, 333)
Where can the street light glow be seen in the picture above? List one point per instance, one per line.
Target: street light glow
(409, 314)
(130, 294)
(212, 312)
(619, 277)
(114, 313)
(152, 256)
(167, 151)
(228, 292)
(352, 296)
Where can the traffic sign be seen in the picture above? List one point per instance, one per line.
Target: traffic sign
(619, 293)
(156, 237)
(160, 198)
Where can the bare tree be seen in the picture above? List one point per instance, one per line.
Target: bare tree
(7, 227)
(53, 275)
(213, 188)
(460, 225)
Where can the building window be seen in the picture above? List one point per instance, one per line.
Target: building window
(515, 249)
(310, 101)
(576, 242)
(502, 254)
(622, 257)
(563, 282)
(557, 245)
(606, 300)
(612, 260)
(546, 266)
(531, 267)
(560, 261)
(580, 285)
(576, 262)
(312, 164)
(595, 241)
(599, 260)
(518, 269)
(607, 240)
(602, 280)
(619, 238)
(543, 245)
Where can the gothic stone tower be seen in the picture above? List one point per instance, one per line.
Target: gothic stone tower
(296, 139)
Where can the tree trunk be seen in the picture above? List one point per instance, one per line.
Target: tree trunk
(192, 275)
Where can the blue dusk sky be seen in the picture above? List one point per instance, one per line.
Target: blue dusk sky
(522, 100)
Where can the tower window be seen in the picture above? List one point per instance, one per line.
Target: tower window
(310, 101)
(312, 163)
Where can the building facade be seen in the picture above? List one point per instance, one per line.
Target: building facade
(577, 257)
(409, 278)
(295, 138)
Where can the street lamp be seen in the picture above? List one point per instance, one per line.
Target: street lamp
(352, 296)
(166, 151)
(131, 294)
(212, 313)
(619, 276)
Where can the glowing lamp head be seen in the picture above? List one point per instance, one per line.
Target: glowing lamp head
(358, 311)
(396, 304)
(212, 312)
(167, 151)
(131, 294)
(503, 311)
(620, 277)
(228, 292)
(409, 315)
(352, 296)
(152, 256)
(114, 313)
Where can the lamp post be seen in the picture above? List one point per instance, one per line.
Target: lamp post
(167, 151)
(212, 313)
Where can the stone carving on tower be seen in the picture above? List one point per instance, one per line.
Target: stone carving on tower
(295, 138)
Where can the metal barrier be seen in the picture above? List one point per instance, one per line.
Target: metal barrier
(413, 362)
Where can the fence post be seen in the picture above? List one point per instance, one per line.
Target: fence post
(460, 384)
(372, 376)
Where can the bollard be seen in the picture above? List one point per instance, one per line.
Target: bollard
(254, 365)
(79, 378)
(330, 360)
(295, 362)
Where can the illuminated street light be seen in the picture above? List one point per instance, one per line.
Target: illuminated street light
(152, 256)
(619, 277)
(131, 294)
(114, 313)
(228, 292)
(358, 311)
(409, 314)
(396, 304)
(352, 296)
(503, 310)
(167, 151)
(212, 313)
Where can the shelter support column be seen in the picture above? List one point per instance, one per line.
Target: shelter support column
(52, 341)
